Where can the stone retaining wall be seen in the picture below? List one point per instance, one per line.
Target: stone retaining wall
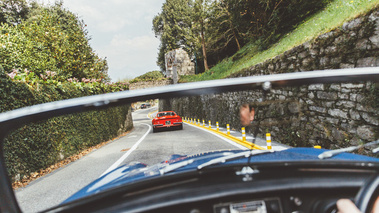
(355, 44)
(149, 84)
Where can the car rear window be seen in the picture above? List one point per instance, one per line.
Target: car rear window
(166, 114)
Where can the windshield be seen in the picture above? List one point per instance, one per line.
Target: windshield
(162, 114)
(224, 92)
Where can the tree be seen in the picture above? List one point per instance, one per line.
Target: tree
(13, 11)
(170, 26)
(51, 39)
(200, 17)
(219, 28)
(182, 23)
(269, 20)
(227, 26)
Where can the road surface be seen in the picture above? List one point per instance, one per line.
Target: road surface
(141, 144)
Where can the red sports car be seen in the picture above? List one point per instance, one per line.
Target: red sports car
(167, 119)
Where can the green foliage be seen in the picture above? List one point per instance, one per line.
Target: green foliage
(50, 39)
(217, 29)
(372, 98)
(150, 76)
(39, 145)
(13, 11)
(13, 95)
(171, 26)
(45, 56)
(270, 19)
(333, 16)
(224, 27)
(183, 23)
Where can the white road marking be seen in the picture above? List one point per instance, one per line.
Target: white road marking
(247, 138)
(152, 112)
(225, 139)
(119, 161)
(274, 147)
(278, 148)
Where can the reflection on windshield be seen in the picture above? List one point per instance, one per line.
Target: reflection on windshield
(284, 113)
(327, 115)
(294, 117)
(247, 113)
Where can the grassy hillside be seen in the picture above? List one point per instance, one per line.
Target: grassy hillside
(333, 16)
(149, 76)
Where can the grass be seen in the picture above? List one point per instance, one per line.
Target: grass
(331, 17)
(150, 76)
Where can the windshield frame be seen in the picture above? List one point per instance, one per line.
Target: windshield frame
(16, 118)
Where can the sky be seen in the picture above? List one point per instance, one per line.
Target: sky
(121, 31)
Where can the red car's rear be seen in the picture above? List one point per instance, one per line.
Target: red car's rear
(167, 119)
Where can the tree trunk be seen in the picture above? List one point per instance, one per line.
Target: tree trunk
(231, 27)
(238, 43)
(204, 51)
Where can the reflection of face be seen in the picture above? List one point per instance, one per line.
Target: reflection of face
(246, 115)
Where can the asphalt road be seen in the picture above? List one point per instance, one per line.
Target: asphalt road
(141, 144)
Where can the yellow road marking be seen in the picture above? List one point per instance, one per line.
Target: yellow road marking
(149, 115)
(246, 144)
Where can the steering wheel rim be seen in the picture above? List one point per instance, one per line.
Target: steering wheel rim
(366, 193)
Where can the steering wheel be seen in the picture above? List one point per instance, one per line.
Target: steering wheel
(367, 193)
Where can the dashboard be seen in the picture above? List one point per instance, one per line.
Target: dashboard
(294, 191)
(254, 206)
(271, 190)
(289, 201)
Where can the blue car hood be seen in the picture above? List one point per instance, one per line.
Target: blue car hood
(137, 171)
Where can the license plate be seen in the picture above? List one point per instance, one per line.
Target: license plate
(168, 122)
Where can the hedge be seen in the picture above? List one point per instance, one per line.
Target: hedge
(38, 145)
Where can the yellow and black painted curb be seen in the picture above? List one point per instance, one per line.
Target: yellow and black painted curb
(150, 113)
(244, 143)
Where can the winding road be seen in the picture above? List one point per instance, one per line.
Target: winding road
(141, 144)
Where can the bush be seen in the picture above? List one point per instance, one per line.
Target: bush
(51, 38)
(38, 145)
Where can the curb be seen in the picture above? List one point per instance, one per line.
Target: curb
(246, 144)
(149, 115)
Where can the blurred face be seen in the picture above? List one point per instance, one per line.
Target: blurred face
(246, 116)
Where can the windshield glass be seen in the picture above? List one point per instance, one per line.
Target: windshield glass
(220, 90)
(252, 119)
(162, 114)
